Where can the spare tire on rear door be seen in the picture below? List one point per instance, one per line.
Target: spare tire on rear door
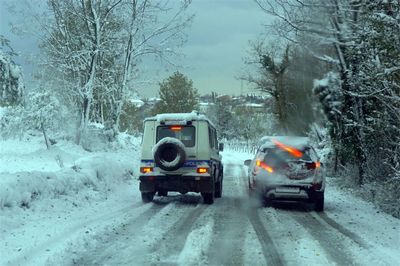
(169, 154)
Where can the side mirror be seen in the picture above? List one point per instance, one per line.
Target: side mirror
(221, 146)
(247, 162)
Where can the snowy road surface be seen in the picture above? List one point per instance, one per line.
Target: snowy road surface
(181, 230)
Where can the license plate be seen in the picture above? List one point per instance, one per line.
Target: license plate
(288, 190)
(297, 176)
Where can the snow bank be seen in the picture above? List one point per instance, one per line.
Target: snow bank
(23, 188)
(65, 170)
(51, 199)
(31, 155)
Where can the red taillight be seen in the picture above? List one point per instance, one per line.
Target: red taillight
(264, 166)
(202, 170)
(176, 128)
(145, 170)
(313, 165)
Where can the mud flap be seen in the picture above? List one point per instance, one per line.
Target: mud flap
(146, 186)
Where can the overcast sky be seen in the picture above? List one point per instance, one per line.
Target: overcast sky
(217, 43)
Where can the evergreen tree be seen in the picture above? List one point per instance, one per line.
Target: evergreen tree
(11, 80)
(177, 95)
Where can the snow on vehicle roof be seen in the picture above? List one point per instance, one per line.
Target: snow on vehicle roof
(254, 105)
(181, 117)
(293, 141)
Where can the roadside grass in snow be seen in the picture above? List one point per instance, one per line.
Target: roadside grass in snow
(382, 192)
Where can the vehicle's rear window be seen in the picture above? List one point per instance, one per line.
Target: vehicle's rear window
(186, 134)
(279, 158)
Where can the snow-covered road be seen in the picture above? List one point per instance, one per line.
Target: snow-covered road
(181, 230)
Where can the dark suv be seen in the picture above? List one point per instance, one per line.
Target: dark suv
(287, 169)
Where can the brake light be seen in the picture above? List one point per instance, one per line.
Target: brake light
(202, 170)
(145, 170)
(175, 128)
(295, 152)
(313, 165)
(264, 166)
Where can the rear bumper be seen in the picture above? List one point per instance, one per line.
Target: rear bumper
(274, 194)
(305, 193)
(178, 183)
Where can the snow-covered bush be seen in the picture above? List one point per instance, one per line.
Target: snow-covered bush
(328, 92)
(41, 112)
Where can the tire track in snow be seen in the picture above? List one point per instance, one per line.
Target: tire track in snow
(354, 237)
(327, 237)
(268, 247)
(172, 242)
(71, 230)
(116, 239)
(228, 234)
(250, 214)
(230, 221)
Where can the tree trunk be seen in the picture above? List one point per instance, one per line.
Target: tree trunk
(46, 139)
(361, 156)
(280, 99)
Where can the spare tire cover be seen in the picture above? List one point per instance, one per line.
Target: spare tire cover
(169, 154)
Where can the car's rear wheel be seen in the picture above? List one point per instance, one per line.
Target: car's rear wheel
(218, 189)
(147, 196)
(266, 202)
(319, 201)
(162, 193)
(208, 197)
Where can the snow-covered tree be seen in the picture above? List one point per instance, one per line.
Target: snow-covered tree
(285, 73)
(251, 125)
(360, 41)
(177, 95)
(94, 49)
(153, 28)
(80, 49)
(11, 80)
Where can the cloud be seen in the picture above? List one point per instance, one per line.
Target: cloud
(217, 43)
